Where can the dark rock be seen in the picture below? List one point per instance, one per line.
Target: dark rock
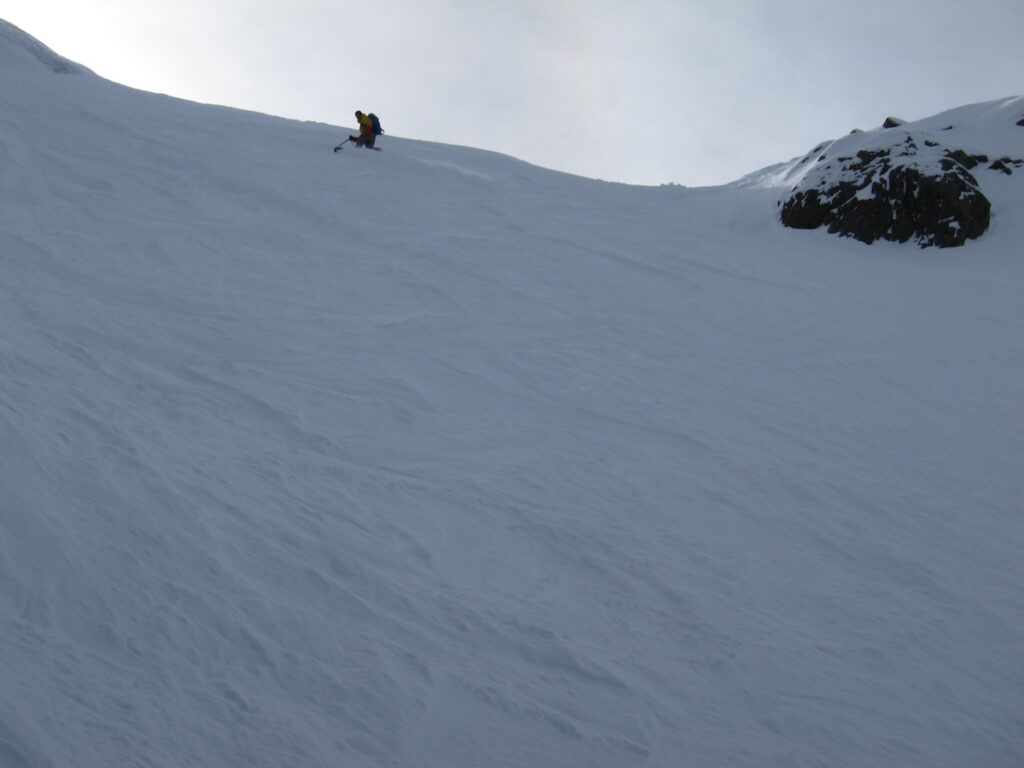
(1020, 122)
(873, 198)
(893, 122)
(1003, 164)
(866, 158)
(966, 160)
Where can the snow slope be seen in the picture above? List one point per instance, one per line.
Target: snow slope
(429, 457)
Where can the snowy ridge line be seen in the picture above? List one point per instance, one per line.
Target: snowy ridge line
(19, 50)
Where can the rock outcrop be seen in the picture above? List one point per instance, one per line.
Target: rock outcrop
(902, 182)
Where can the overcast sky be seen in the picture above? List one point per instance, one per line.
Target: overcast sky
(692, 92)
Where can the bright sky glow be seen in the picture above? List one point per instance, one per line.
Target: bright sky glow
(650, 91)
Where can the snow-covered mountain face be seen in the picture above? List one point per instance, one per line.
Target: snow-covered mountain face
(20, 52)
(429, 457)
(927, 181)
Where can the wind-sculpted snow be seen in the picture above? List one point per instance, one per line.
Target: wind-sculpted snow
(429, 457)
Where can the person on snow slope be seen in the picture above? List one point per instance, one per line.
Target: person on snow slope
(366, 137)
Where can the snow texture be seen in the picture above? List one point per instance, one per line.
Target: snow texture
(430, 457)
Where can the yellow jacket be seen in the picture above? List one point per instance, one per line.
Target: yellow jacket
(365, 125)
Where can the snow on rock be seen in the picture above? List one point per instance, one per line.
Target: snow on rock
(431, 458)
(923, 182)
